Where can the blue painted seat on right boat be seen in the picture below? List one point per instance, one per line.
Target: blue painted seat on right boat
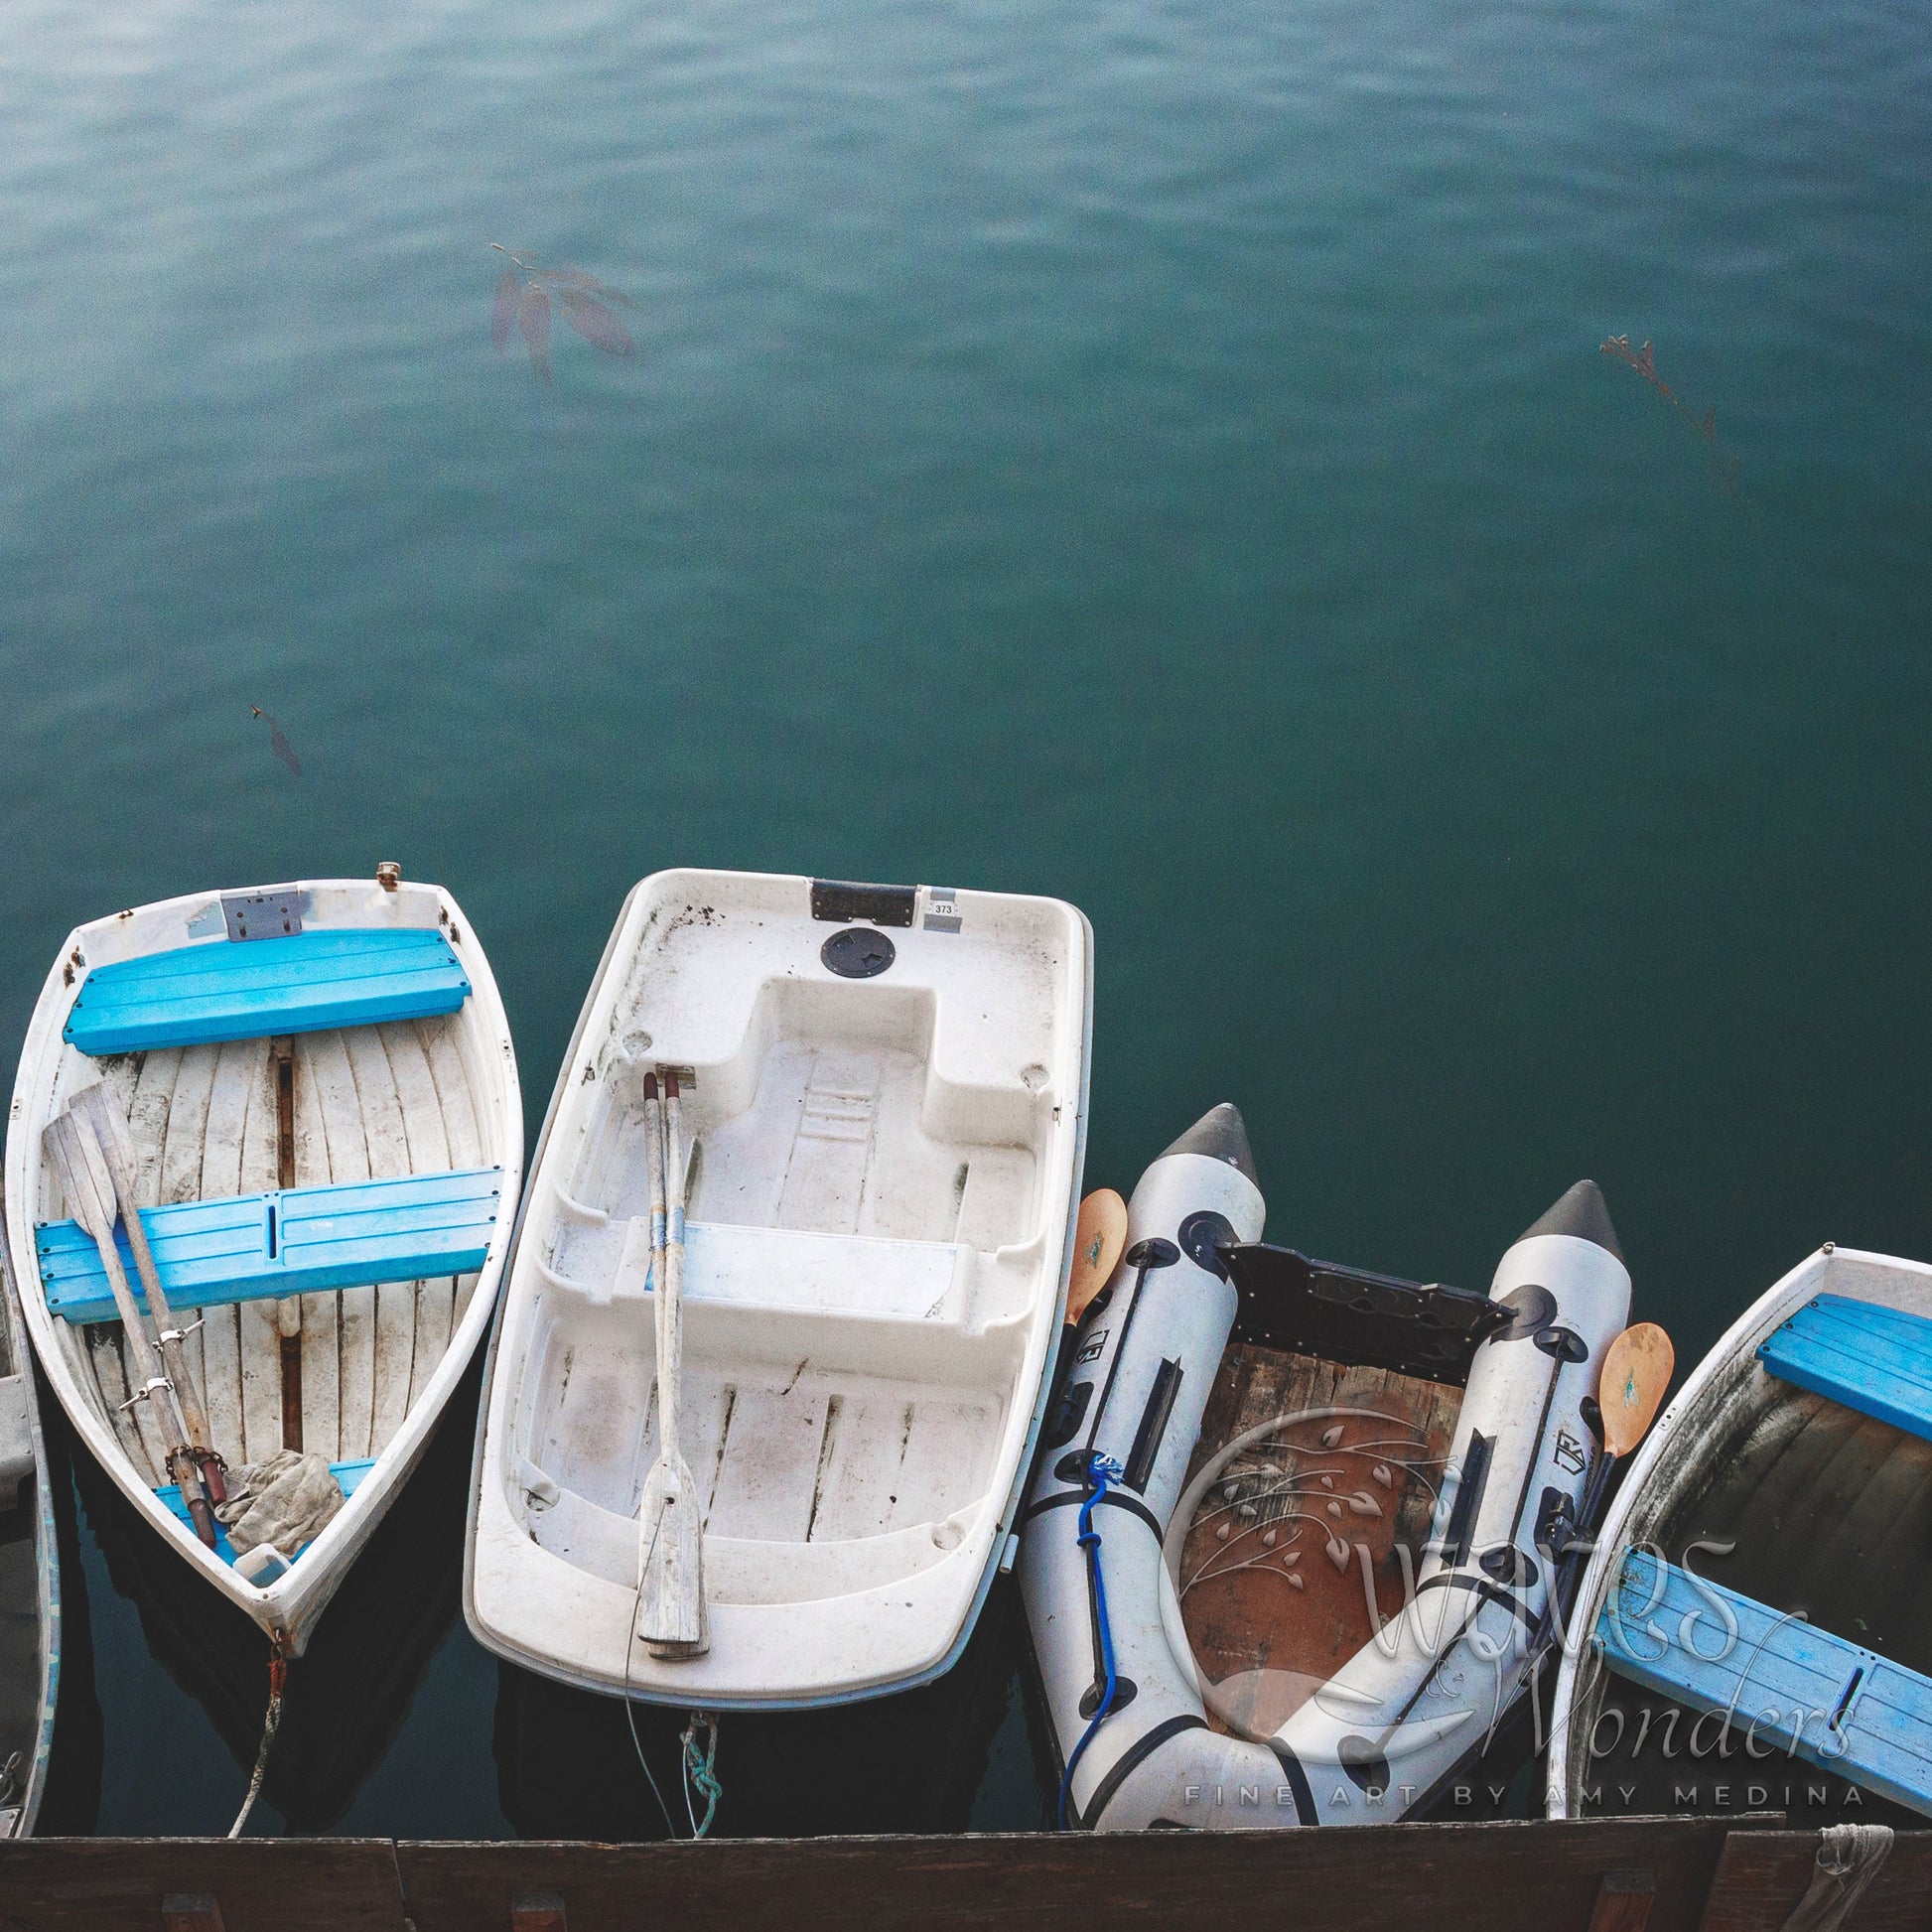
(1877, 1360)
(251, 989)
(1784, 1681)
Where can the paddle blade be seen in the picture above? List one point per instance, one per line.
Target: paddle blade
(81, 1170)
(1098, 1238)
(670, 1590)
(1637, 1370)
(99, 1109)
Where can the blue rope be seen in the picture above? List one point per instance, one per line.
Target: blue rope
(1102, 1471)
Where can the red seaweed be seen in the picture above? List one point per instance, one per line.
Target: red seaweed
(523, 301)
(1644, 361)
(277, 744)
(595, 323)
(534, 316)
(502, 313)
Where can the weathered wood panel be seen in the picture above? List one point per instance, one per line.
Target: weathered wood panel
(1580, 1875)
(1475, 1877)
(1335, 1502)
(1761, 1876)
(258, 1884)
(1623, 1902)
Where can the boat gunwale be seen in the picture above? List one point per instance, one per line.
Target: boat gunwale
(46, 1554)
(287, 1609)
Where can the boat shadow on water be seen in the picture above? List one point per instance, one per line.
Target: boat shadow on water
(349, 1692)
(567, 1766)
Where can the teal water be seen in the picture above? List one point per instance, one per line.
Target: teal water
(1158, 454)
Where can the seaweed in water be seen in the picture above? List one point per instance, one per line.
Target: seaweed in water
(277, 744)
(1723, 468)
(525, 293)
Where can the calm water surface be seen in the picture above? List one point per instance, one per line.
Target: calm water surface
(1155, 454)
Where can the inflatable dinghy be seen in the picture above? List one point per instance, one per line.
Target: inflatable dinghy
(1752, 1631)
(1145, 1738)
(875, 1165)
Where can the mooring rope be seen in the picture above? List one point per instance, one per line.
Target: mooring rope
(278, 1677)
(1102, 1472)
(700, 1769)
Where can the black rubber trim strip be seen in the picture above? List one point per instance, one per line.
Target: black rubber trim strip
(1131, 1761)
(1298, 1782)
(1154, 1426)
(1483, 1587)
(1109, 1499)
(1469, 1486)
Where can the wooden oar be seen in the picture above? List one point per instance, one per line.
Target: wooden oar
(670, 1591)
(96, 1106)
(1099, 1237)
(82, 1168)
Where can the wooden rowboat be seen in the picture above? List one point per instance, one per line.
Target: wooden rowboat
(1753, 1632)
(884, 1103)
(29, 1580)
(322, 1109)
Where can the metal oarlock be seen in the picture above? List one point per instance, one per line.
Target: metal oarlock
(146, 1391)
(180, 1335)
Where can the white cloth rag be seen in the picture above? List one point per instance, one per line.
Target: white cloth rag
(286, 1500)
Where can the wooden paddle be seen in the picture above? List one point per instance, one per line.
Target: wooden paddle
(1638, 1367)
(81, 1170)
(1099, 1237)
(671, 1615)
(96, 1106)
(1630, 1388)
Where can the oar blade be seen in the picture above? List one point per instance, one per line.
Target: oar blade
(81, 1170)
(1637, 1368)
(1098, 1238)
(97, 1107)
(670, 1593)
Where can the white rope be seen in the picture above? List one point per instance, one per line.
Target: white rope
(1849, 1858)
(277, 1677)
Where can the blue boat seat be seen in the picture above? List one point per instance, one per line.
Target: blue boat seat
(250, 988)
(347, 1476)
(296, 1241)
(1784, 1683)
(1874, 1359)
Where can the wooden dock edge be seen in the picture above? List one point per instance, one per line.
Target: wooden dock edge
(1632, 1874)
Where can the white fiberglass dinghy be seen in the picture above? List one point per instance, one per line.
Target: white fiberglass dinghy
(310, 1092)
(882, 1093)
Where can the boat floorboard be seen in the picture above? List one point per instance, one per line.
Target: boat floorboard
(1818, 1511)
(370, 1102)
(1273, 1576)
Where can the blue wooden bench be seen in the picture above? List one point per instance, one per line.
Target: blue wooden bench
(1830, 1701)
(296, 1241)
(1874, 1359)
(347, 1476)
(250, 989)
